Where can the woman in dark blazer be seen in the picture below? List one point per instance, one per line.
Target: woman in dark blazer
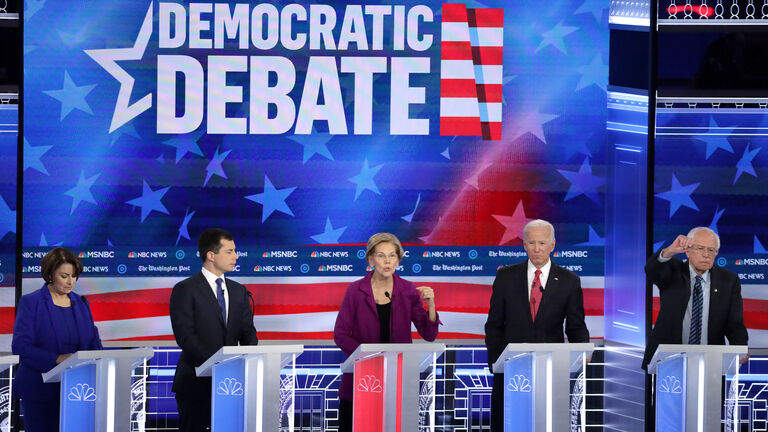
(380, 308)
(51, 324)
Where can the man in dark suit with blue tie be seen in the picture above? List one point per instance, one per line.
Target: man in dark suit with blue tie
(530, 302)
(700, 303)
(207, 312)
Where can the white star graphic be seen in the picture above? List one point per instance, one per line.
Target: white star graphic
(107, 58)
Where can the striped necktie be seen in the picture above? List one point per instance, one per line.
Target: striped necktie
(696, 310)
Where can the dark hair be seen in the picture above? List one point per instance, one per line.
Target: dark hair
(55, 258)
(210, 240)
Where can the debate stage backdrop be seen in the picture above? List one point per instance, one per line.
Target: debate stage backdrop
(303, 129)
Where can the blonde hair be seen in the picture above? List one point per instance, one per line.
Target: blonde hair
(379, 238)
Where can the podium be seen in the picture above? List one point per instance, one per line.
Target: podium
(7, 362)
(386, 395)
(96, 393)
(688, 384)
(246, 393)
(537, 384)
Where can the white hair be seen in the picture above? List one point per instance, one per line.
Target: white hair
(693, 232)
(539, 223)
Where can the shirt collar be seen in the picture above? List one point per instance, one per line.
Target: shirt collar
(210, 277)
(544, 269)
(693, 274)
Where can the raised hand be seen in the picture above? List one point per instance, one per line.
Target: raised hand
(680, 245)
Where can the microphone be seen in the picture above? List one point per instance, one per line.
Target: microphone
(387, 295)
(253, 304)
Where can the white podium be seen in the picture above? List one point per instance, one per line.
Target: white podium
(96, 389)
(386, 396)
(245, 389)
(537, 384)
(7, 362)
(688, 384)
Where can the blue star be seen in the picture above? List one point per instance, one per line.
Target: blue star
(32, 157)
(150, 200)
(556, 37)
(44, 241)
(33, 7)
(330, 235)
(82, 191)
(594, 239)
(531, 122)
(714, 142)
(214, 166)
(127, 129)
(409, 217)
(679, 195)
(446, 153)
(364, 180)
(7, 219)
(657, 246)
(183, 231)
(73, 39)
(314, 143)
(716, 219)
(745, 164)
(758, 247)
(71, 96)
(272, 199)
(595, 7)
(594, 73)
(583, 182)
(185, 144)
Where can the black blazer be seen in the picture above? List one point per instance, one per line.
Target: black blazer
(726, 314)
(509, 316)
(199, 328)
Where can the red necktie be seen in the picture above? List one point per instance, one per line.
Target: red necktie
(535, 294)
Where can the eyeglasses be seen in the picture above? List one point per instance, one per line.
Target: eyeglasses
(701, 250)
(382, 257)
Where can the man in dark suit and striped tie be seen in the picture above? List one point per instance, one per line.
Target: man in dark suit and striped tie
(700, 302)
(208, 311)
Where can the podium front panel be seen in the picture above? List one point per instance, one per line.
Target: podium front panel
(368, 411)
(518, 394)
(670, 395)
(228, 404)
(78, 399)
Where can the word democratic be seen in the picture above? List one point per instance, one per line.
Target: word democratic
(197, 28)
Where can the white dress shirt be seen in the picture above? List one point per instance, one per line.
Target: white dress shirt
(211, 278)
(542, 277)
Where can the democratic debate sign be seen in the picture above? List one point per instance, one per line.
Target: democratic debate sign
(234, 69)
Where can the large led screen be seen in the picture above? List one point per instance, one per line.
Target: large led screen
(304, 128)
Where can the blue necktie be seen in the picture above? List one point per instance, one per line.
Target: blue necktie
(220, 298)
(696, 309)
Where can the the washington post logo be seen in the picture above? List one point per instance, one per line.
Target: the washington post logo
(270, 69)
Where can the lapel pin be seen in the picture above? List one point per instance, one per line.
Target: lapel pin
(557, 279)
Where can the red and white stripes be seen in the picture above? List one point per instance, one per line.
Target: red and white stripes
(471, 71)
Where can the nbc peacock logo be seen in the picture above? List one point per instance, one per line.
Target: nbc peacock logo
(426, 254)
(81, 255)
(257, 268)
(321, 268)
(739, 262)
(132, 255)
(313, 254)
(557, 254)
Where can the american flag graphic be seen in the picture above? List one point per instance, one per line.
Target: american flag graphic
(295, 308)
(471, 71)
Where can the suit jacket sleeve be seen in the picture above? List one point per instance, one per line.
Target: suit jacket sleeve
(494, 326)
(735, 330)
(182, 313)
(342, 330)
(95, 342)
(247, 332)
(659, 273)
(23, 343)
(575, 326)
(420, 318)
